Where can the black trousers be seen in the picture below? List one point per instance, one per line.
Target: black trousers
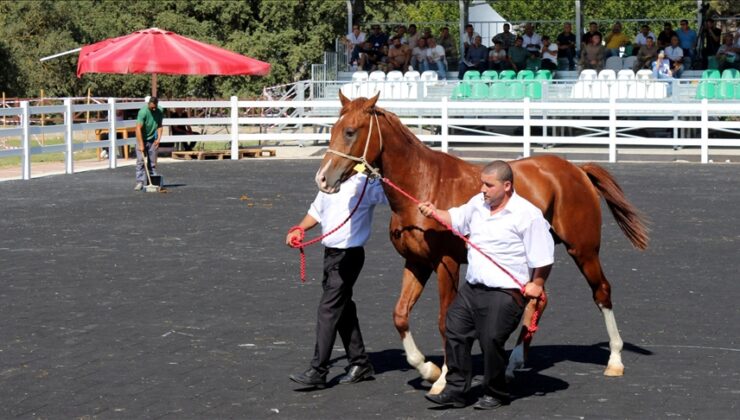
(489, 315)
(337, 312)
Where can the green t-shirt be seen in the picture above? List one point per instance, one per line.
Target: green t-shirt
(150, 121)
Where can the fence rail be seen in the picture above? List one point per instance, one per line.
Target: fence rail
(614, 124)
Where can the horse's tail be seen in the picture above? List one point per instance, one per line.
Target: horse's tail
(629, 219)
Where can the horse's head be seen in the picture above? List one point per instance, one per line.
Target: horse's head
(355, 139)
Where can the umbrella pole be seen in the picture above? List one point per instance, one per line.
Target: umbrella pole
(154, 84)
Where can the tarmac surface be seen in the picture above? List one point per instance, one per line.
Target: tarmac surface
(119, 304)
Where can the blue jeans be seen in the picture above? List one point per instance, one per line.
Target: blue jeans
(668, 80)
(152, 161)
(440, 67)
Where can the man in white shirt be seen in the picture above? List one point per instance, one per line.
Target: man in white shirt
(344, 256)
(512, 232)
(532, 41)
(419, 56)
(436, 58)
(468, 38)
(642, 36)
(675, 54)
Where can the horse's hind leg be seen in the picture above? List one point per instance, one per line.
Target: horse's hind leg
(591, 268)
(414, 280)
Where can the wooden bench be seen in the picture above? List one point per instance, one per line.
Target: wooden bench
(220, 154)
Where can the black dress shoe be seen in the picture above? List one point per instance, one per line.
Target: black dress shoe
(488, 402)
(311, 377)
(357, 373)
(447, 398)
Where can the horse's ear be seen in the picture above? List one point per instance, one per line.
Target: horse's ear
(343, 99)
(371, 102)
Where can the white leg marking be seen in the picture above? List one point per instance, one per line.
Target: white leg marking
(516, 361)
(439, 385)
(429, 371)
(614, 367)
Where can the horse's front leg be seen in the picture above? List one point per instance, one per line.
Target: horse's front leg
(448, 275)
(414, 280)
(520, 352)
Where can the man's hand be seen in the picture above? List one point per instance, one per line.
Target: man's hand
(427, 208)
(291, 235)
(532, 290)
(156, 144)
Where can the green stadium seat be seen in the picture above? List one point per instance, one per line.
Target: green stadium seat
(728, 85)
(461, 91)
(534, 89)
(543, 75)
(525, 75)
(499, 89)
(534, 64)
(731, 74)
(472, 75)
(489, 75)
(516, 90)
(480, 90)
(507, 75)
(706, 90)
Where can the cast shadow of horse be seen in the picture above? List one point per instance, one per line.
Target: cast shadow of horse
(529, 381)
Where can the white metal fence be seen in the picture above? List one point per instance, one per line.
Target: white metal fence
(611, 124)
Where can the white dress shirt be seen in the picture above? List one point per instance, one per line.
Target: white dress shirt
(517, 238)
(673, 53)
(535, 39)
(641, 39)
(332, 209)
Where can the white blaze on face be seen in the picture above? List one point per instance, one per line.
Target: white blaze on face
(321, 178)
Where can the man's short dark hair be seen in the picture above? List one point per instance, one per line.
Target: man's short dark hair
(154, 100)
(501, 169)
(650, 38)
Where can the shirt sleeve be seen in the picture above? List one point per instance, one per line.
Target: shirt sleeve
(538, 243)
(316, 207)
(460, 218)
(140, 117)
(377, 195)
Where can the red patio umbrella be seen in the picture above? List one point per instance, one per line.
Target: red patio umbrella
(156, 51)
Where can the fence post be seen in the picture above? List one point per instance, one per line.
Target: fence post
(526, 130)
(704, 131)
(612, 129)
(26, 140)
(68, 140)
(234, 128)
(112, 135)
(444, 128)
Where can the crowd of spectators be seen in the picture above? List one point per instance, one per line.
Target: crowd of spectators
(408, 49)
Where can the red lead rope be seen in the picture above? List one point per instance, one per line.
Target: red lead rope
(532, 328)
(297, 241)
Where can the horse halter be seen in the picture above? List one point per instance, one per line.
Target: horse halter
(362, 163)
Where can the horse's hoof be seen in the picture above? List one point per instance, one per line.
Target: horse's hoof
(436, 389)
(613, 370)
(430, 372)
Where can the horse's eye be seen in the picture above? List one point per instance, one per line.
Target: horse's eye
(350, 133)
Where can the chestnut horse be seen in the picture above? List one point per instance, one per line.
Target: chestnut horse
(368, 137)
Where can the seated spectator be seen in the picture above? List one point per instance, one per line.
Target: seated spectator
(419, 55)
(436, 58)
(675, 54)
(446, 41)
(662, 71)
(592, 55)
(497, 58)
(427, 33)
(400, 34)
(468, 38)
(412, 36)
(475, 59)
(354, 39)
(646, 55)
(549, 55)
(615, 40)
(518, 55)
(399, 55)
(506, 38)
(593, 29)
(532, 41)
(712, 40)
(377, 38)
(687, 41)
(370, 58)
(567, 45)
(727, 54)
(182, 130)
(641, 39)
(664, 37)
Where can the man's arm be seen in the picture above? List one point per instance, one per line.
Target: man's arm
(534, 288)
(139, 138)
(427, 209)
(306, 224)
(159, 136)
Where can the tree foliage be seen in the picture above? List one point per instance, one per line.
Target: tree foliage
(289, 34)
